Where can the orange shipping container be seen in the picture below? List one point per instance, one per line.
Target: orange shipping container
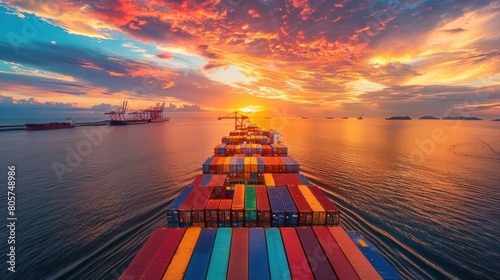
(238, 207)
(269, 180)
(227, 161)
(220, 165)
(180, 260)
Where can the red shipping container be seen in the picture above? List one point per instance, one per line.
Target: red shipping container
(199, 205)
(263, 207)
(213, 166)
(211, 210)
(297, 261)
(332, 212)
(305, 212)
(274, 164)
(147, 252)
(268, 165)
(186, 209)
(280, 180)
(224, 213)
(318, 261)
(364, 269)
(198, 180)
(281, 165)
(218, 181)
(164, 254)
(292, 179)
(238, 258)
(337, 259)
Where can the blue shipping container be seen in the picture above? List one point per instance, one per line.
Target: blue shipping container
(232, 165)
(206, 180)
(304, 180)
(206, 165)
(222, 149)
(261, 167)
(288, 165)
(239, 165)
(198, 265)
(278, 266)
(291, 213)
(220, 255)
(257, 255)
(277, 210)
(173, 208)
(379, 263)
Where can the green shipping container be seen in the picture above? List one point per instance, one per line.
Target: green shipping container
(250, 207)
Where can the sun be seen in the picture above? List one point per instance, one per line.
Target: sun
(251, 109)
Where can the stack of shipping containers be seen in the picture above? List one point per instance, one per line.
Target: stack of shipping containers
(252, 215)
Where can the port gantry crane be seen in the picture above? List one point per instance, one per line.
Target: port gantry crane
(119, 113)
(238, 120)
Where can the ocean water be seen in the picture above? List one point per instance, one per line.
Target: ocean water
(426, 194)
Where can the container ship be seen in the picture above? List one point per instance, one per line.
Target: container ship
(68, 123)
(252, 215)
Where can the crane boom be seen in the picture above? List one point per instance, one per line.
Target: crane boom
(238, 119)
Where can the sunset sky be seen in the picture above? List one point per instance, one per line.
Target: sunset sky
(304, 58)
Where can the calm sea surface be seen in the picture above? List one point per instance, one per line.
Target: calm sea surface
(425, 193)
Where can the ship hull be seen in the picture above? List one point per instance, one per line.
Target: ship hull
(48, 126)
(130, 122)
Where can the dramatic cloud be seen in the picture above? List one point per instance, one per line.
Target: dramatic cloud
(320, 56)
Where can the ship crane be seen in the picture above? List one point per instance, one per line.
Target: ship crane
(238, 120)
(119, 113)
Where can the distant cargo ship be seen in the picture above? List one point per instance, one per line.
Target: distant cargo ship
(329, 118)
(68, 123)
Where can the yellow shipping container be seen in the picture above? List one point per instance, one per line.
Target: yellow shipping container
(238, 149)
(269, 180)
(253, 164)
(246, 167)
(180, 260)
(227, 161)
(319, 214)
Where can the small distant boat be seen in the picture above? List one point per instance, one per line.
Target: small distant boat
(345, 118)
(68, 123)
(267, 117)
(305, 118)
(329, 118)
(360, 117)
